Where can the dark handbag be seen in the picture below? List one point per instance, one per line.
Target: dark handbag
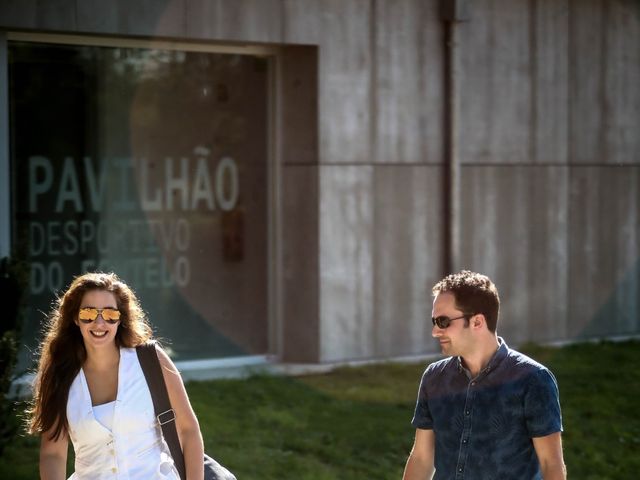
(166, 417)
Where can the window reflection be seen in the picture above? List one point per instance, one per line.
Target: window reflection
(153, 164)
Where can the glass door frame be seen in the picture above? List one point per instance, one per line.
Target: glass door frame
(195, 369)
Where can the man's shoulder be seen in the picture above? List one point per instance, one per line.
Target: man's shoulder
(521, 361)
(439, 372)
(441, 366)
(519, 365)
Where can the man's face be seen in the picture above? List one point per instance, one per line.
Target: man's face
(456, 339)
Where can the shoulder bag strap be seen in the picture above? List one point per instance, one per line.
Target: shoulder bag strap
(152, 370)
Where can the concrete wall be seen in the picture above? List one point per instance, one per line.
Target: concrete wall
(551, 154)
(548, 141)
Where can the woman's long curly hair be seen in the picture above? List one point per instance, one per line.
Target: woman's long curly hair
(62, 351)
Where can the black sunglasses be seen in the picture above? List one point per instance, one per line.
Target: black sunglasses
(443, 321)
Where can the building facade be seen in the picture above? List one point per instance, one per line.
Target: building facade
(288, 178)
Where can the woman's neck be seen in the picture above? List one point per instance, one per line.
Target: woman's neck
(102, 358)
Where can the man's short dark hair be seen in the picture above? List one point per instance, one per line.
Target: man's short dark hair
(474, 293)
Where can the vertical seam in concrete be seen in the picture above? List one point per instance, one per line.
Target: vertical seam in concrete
(447, 243)
(423, 149)
(275, 321)
(492, 26)
(570, 154)
(533, 64)
(533, 131)
(602, 94)
(373, 126)
(373, 87)
(602, 234)
(567, 160)
(571, 88)
(452, 204)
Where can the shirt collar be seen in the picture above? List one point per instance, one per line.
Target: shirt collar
(497, 357)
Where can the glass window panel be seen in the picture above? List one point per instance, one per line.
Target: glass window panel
(152, 164)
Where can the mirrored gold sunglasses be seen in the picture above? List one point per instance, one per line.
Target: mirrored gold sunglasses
(90, 314)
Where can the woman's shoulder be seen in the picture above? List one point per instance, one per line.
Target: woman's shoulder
(133, 349)
(128, 355)
(127, 351)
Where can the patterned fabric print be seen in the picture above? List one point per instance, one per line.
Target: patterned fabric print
(483, 426)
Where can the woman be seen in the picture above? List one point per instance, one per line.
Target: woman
(90, 388)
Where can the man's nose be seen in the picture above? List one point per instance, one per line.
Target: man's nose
(436, 331)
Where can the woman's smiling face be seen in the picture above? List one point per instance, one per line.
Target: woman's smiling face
(98, 333)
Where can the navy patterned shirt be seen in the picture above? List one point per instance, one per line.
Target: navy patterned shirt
(483, 426)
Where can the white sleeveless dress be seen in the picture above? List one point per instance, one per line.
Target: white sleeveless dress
(133, 448)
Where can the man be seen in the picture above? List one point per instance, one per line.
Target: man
(486, 411)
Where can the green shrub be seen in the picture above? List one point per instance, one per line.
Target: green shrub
(12, 283)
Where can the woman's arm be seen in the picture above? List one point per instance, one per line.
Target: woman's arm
(186, 421)
(53, 456)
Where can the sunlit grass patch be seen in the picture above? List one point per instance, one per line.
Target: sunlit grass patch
(353, 423)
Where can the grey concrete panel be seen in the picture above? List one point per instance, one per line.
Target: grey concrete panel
(604, 295)
(343, 31)
(203, 18)
(622, 83)
(408, 85)
(586, 81)
(514, 229)
(56, 14)
(98, 16)
(300, 257)
(242, 20)
(495, 83)
(408, 257)
(18, 13)
(304, 20)
(550, 122)
(604, 79)
(299, 104)
(164, 18)
(346, 262)
(345, 84)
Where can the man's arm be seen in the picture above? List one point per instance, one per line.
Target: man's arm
(420, 463)
(549, 452)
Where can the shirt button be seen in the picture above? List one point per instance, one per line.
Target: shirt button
(112, 451)
(114, 469)
(460, 469)
(464, 441)
(473, 383)
(467, 412)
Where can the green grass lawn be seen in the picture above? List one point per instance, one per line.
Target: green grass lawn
(354, 422)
